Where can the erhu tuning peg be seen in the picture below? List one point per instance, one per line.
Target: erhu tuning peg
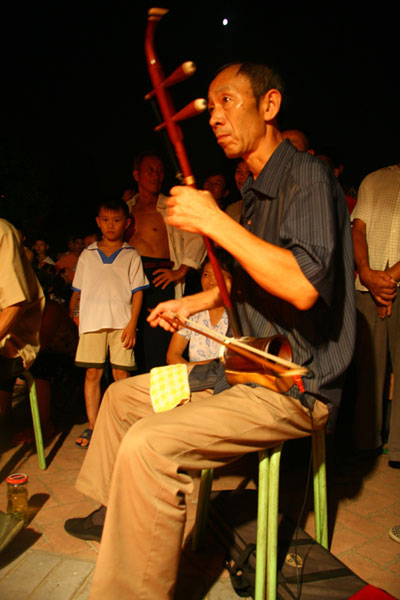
(190, 110)
(183, 72)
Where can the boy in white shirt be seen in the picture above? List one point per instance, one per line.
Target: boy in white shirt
(108, 282)
(40, 247)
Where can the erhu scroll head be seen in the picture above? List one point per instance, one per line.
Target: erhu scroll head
(156, 13)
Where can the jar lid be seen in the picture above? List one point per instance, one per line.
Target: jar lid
(17, 478)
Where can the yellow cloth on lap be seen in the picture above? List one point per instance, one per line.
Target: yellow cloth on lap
(169, 387)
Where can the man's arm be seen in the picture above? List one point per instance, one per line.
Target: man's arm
(394, 272)
(9, 316)
(274, 269)
(380, 283)
(194, 252)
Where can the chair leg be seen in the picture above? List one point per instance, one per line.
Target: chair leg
(320, 494)
(267, 523)
(203, 505)
(267, 515)
(273, 505)
(262, 523)
(36, 419)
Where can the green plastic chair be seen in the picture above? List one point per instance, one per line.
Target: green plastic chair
(35, 417)
(267, 514)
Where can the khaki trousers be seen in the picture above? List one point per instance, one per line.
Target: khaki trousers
(137, 466)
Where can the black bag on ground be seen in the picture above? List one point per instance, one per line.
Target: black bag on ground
(306, 570)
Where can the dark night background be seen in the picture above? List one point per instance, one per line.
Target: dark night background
(74, 77)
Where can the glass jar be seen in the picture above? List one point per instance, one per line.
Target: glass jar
(17, 495)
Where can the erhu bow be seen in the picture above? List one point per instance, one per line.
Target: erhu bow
(264, 366)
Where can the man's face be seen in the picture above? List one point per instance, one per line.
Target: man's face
(89, 239)
(150, 174)
(78, 246)
(216, 185)
(128, 194)
(242, 172)
(40, 247)
(237, 123)
(112, 224)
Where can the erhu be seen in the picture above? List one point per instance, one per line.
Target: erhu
(245, 360)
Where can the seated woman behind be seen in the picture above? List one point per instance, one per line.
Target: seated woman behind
(201, 348)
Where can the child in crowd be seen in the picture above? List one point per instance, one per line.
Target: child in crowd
(201, 348)
(90, 238)
(40, 247)
(66, 264)
(109, 280)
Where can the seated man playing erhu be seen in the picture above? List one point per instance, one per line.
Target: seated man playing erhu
(293, 275)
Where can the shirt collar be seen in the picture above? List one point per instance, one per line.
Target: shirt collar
(95, 246)
(269, 178)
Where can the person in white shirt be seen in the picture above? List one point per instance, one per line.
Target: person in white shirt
(109, 282)
(376, 241)
(201, 348)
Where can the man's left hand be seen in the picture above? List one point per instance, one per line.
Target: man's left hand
(165, 276)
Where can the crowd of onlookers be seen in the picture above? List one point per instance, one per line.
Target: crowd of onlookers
(136, 260)
(56, 272)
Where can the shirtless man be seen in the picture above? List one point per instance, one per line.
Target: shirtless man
(166, 252)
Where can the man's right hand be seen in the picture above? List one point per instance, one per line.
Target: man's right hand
(170, 309)
(384, 311)
(380, 284)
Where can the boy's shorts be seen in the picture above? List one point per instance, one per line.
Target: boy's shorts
(93, 348)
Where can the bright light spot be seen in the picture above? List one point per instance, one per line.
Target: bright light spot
(225, 22)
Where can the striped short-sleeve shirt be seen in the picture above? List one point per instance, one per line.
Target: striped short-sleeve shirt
(297, 204)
